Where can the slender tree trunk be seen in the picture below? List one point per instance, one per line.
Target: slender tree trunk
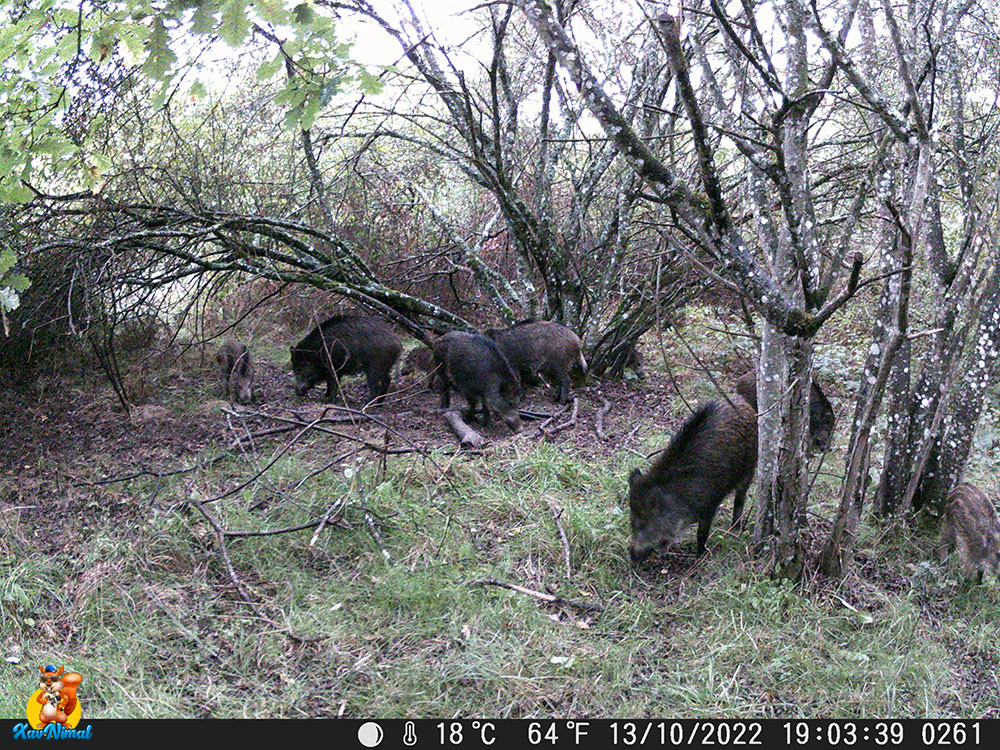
(883, 357)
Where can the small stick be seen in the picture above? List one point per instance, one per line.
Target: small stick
(819, 466)
(600, 419)
(543, 425)
(529, 414)
(220, 535)
(241, 589)
(337, 506)
(556, 513)
(377, 537)
(272, 532)
(550, 598)
(187, 632)
(572, 418)
(560, 427)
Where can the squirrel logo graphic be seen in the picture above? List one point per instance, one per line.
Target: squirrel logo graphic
(55, 701)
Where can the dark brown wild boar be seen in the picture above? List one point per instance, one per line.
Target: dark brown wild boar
(235, 367)
(821, 417)
(473, 366)
(713, 454)
(346, 345)
(542, 349)
(970, 525)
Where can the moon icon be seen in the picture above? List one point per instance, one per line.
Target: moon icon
(370, 734)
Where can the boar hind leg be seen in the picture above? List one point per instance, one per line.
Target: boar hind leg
(738, 499)
(704, 526)
(563, 383)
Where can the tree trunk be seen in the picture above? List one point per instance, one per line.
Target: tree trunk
(783, 407)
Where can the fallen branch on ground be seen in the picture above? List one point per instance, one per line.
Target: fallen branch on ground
(338, 508)
(467, 437)
(556, 513)
(373, 530)
(220, 536)
(599, 426)
(241, 588)
(550, 598)
(529, 414)
(571, 422)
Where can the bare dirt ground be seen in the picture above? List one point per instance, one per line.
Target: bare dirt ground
(73, 428)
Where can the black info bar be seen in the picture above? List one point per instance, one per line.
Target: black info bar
(394, 734)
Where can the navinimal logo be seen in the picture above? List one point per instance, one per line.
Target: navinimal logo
(53, 710)
(23, 731)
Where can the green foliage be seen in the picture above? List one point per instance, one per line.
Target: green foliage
(233, 23)
(57, 52)
(11, 284)
(46, 49)
(161, 58)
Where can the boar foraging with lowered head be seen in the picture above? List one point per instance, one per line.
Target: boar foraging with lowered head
(235, 371)
(542, 348)
(713, 454)
(473, 366)
(970, 525)
(346, 345)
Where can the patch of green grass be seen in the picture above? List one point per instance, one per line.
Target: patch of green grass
(151, 618)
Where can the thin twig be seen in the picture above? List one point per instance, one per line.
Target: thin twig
(543, 425)
(556, 513)
(336, 506)
(529, 414)
(220, 535)
(377, 537)
(187, 632)
(701, 365)
(599, 426)
(572, 417)
(550, 598)
(819, 465)
(221, 539)
(273, 532)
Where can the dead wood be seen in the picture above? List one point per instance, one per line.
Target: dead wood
(373, 530)
(556, 514)
(550, 598)
(467, 437)
(599, 424)
(571, 422)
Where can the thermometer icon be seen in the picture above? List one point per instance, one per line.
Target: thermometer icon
(410, 734)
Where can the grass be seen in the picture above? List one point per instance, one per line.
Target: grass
(126, 584)
(145, 611)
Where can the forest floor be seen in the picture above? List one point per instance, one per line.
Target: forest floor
(367, 564)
